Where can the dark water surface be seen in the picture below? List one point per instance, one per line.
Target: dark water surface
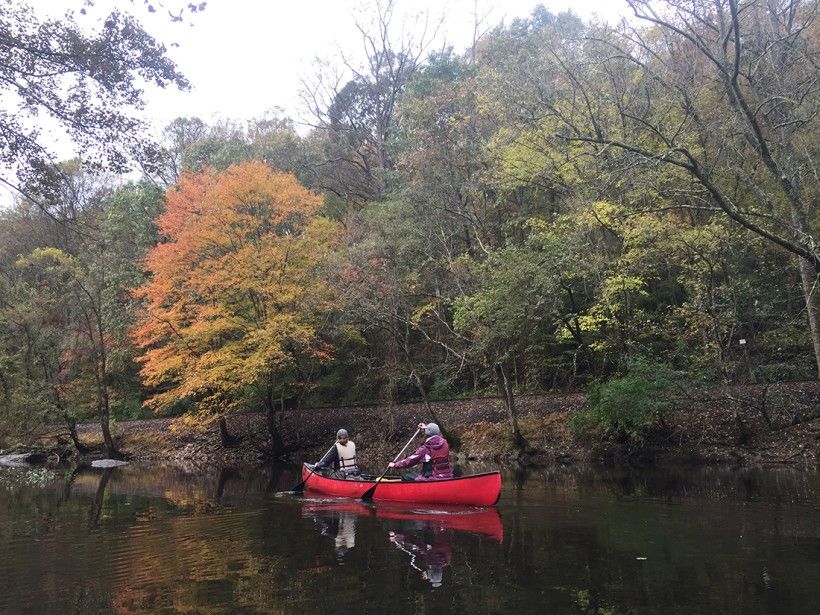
(160, 539)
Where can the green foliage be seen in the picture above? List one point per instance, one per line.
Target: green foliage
(129, 408)
(192, 145)
(625, 408)
(526, 207)
(12, 479)
(442, 388)
(87, 78)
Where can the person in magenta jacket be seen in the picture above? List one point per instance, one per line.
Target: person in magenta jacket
(434, 455)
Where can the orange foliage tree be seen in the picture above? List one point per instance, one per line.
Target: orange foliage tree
(234, 298)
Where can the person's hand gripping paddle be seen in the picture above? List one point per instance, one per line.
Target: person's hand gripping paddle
(367, 496)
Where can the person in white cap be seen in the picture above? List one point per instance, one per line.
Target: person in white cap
(434, 455)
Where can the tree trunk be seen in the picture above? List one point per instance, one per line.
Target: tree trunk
(505, 389)
(277, 445)
(423, 392)
(105, 419)
(71, 423)
(95, 326)
(452, 439)
(574, 327)
(227, 440)
(811, 293)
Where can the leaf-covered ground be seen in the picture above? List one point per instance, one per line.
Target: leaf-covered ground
(779, 424)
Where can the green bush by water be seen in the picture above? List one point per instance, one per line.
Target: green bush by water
(624, 409)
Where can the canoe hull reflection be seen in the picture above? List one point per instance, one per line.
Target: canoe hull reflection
(476, 490)
(484, 520)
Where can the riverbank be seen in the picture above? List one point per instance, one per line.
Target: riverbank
(744, 426)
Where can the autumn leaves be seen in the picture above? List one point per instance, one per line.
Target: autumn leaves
(235, 288)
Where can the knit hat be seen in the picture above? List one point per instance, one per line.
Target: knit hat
(432, 430)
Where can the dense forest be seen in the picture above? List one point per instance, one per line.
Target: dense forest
(565, 205)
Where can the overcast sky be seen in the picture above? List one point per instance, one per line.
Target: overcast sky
(244, 57)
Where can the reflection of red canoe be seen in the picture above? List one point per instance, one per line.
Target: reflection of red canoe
(463, 519)
(475, 490)
(482, 521)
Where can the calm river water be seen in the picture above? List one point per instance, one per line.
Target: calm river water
(160, 539)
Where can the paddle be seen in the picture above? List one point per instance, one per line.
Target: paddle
(367, 496)
(301, 486)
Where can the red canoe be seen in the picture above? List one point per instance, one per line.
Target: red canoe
(475, 490)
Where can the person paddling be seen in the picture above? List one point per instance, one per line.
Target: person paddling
(342, 456)
(434, 455)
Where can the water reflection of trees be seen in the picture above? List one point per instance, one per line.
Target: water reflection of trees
(679, 539)
(99, 495)
(679, 483)
(134, 540)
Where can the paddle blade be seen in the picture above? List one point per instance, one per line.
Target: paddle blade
(300, 488)
(367, 496)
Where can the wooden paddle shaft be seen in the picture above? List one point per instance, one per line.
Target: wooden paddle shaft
(367, 496)
(405, 448)
(301, 486)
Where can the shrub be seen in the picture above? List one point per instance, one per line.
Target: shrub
(624, 409)
(442, 388)
(129, 408)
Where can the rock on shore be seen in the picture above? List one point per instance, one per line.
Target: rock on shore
(108, 463)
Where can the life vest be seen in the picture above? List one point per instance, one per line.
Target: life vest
(434, 457)
(347, 456)
(436, 463)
